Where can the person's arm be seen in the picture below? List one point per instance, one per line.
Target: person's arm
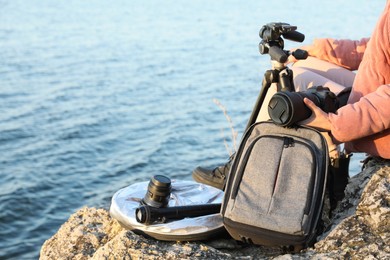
(368, 116)
(345, 53)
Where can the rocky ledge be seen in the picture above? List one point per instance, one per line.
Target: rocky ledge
(360, 229)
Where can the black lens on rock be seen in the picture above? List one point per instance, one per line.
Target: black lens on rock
(159, 191)
(148, 215)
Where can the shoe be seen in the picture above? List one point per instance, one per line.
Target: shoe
(214, 177)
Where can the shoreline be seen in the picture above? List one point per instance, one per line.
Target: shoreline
(360, 229)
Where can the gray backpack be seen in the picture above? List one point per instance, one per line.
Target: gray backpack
(275, 190)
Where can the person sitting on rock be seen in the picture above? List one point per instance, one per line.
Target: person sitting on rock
(363, 125)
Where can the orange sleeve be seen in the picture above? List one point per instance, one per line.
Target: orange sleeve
(368, 116)
(345, 53)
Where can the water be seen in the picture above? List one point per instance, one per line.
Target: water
(96, 95)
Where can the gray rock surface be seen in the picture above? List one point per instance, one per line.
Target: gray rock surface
(360, 229)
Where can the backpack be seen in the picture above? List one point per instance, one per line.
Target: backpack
(275, 190)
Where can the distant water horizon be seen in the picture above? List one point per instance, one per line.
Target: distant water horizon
(97, 95)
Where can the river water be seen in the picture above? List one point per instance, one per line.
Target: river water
(96, 95)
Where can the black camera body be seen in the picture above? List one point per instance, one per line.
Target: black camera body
(286, 108)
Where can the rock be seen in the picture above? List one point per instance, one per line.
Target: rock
(360, 229)
(362, 225)
(92, 233)
(80, 237)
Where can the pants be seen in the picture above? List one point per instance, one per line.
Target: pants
(315, 72)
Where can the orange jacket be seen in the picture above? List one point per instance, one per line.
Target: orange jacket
(364, 123)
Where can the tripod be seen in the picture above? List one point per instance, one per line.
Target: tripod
(272, 43)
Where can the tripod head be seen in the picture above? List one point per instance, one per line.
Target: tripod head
(273, 43)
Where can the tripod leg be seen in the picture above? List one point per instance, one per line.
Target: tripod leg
(266, 84)
(283, 77)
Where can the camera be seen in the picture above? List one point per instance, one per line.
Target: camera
(286, 108)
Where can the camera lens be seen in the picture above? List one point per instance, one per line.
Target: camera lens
(159, 191)
(287, 108)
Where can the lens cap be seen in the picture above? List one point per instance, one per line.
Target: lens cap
(161, 181)
(287, 108)
(279, 109)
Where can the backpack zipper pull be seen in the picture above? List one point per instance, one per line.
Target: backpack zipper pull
(288, 142)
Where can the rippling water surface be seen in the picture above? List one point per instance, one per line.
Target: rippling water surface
(96, 95)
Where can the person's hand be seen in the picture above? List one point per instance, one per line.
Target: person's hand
(318, 119)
